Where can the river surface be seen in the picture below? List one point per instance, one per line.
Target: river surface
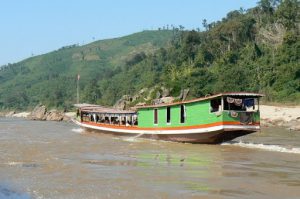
(59, 160)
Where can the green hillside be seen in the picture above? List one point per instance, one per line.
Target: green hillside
(255, 50)
(51, 78)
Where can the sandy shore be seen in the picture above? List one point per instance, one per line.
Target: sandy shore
(67, 116)
(288, 117)
(21, 115)
(70, 114)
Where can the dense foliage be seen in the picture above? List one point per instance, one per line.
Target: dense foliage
(255, 50)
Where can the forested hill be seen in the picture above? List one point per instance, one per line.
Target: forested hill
(51, 78)
(248, 50)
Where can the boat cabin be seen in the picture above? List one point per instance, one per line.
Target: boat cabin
(104, 115)
(225, 107)
(234, 108)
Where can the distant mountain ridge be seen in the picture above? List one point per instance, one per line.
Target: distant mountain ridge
(50, 78)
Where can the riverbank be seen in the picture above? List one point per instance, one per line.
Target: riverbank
(40, 112)
(66, 116)
(284, 116)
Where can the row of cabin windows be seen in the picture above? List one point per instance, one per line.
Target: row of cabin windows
(250, 103)
(182, 115)
(215, 106)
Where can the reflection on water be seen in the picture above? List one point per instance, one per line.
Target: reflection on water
(60, 160)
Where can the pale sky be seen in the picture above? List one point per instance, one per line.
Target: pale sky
(40, 26)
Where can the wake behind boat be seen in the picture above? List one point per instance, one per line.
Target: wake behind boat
(210, 120)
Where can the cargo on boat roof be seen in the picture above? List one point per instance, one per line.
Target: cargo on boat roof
(231, 94)
(91, 108)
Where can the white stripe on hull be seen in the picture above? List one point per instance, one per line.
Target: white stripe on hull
(168, 132)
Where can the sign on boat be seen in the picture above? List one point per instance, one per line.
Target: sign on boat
(208, 120)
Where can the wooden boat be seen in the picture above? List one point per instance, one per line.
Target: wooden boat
(210, 120)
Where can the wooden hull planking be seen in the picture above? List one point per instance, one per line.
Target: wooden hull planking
(205, 134)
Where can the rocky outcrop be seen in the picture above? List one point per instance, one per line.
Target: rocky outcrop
(183, 94)
(141, 104)
(54, 115)
(163, 100)
(38, 113)
(158, 95)
(293, 125)
(162, 93)
(123, 103)
(165, 92)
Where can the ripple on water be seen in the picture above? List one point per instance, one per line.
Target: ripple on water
(111, 162)
(23, 164)
(77, 130)
(267, 147)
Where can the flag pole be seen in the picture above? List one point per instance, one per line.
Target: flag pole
(78, 77)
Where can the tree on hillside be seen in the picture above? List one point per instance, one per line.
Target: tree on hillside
(288, 13)
(204, 24)
(267, 8)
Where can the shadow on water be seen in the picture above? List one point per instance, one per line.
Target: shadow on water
(8, 192)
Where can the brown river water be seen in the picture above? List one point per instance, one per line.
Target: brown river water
(59, 160)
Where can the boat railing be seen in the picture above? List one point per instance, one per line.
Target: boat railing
(244, 117)
(109, 122)
(242, 111)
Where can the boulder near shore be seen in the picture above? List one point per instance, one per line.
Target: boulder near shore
(40, 112)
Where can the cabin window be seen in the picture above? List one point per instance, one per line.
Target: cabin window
(155, 116)
(240, 104)
(168, 115)
(215, 105)
(182, 114)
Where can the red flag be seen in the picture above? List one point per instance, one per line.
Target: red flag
(78, 77)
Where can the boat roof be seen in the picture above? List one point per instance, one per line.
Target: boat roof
(86, 105)
(92, 108)
(231, 94)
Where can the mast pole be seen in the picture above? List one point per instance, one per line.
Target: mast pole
(78, 77)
